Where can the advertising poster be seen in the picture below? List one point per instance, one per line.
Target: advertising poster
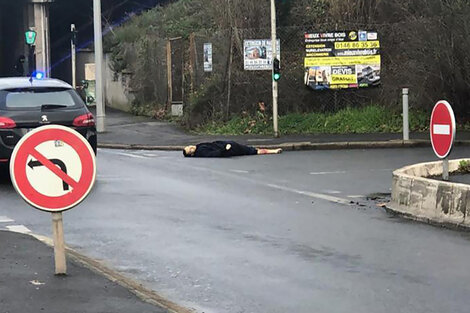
(342, 59)
(207, 57)
(258, 54)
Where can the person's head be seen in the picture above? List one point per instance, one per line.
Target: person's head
(189, 151)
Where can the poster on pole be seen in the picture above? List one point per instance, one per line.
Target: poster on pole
(208, 57)
(258, 54)
(342, 59)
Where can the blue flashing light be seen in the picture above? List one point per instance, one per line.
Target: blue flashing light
(38, 75)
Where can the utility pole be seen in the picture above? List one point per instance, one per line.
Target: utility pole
(274, 56)
(100, 106)
(74, 55)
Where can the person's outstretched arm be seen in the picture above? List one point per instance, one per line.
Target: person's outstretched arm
(269, 151)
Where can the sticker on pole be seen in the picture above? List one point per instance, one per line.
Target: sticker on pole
(442, 129)
(53, 168)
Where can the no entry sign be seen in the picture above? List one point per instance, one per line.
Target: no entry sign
(442, 129)
(53, 168)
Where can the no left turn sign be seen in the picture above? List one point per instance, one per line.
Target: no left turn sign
(53, 168)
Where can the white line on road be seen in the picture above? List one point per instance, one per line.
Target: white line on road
(132, 155)
(239, 171)
(441, 129)
(328, 173)
(381, 170)
(278, 187)
(5, 219)
(311, 194)
(332, 192)
(19, 229)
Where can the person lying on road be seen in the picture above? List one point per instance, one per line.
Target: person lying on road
(224, 149)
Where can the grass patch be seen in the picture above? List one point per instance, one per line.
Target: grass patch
(371, 119)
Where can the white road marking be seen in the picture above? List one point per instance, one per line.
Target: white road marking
(301, 192)
(311, 194)
(328, 173)
(132, 155)
(19, 229)
(239, 171)
(5, 219)
(333, 192)
(278, 187)
(441, 129)
(150, 155)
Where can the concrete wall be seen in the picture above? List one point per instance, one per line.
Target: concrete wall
(118, 92)
(416, 195)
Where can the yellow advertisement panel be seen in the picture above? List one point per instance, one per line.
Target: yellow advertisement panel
(332, 61)
(344, 79)
(357, 45)
(342, 59)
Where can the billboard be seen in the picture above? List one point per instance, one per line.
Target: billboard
(258, 54)
(342, 59)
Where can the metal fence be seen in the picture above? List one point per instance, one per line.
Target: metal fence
(172, 70)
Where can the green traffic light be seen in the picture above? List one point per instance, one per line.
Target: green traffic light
(276, 76)
(30, 37)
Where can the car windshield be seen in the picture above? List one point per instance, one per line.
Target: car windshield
(38, 98)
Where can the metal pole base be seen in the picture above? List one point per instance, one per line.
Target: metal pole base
(100, 124)
(445, 169)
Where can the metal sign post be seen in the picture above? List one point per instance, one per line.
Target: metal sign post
(53, 168)
(274, 53)
(445, 169)
(406, 129)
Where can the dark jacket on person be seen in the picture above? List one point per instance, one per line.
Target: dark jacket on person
(218, 149)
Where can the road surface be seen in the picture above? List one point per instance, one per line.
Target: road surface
(263, 234)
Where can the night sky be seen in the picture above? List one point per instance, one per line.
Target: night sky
(80, 12)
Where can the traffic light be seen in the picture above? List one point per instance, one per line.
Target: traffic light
(30, 37)
(276, 70)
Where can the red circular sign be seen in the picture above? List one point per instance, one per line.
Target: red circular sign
(53, 168)
(442, 129)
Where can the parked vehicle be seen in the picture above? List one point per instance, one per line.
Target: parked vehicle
(27, 103)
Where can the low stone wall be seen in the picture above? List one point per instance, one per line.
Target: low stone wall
(417, 196)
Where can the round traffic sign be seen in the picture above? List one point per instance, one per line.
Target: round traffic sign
(53, 168)
(442, 129)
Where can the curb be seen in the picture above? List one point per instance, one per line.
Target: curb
(427, 220)
(300, 146)
(416, 195)
(142, 292)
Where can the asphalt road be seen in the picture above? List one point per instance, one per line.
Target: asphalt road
(264, 234)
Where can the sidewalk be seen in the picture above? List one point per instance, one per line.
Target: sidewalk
(125, 130)
(28, 283)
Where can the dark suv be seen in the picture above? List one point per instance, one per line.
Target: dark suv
(29, 103)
